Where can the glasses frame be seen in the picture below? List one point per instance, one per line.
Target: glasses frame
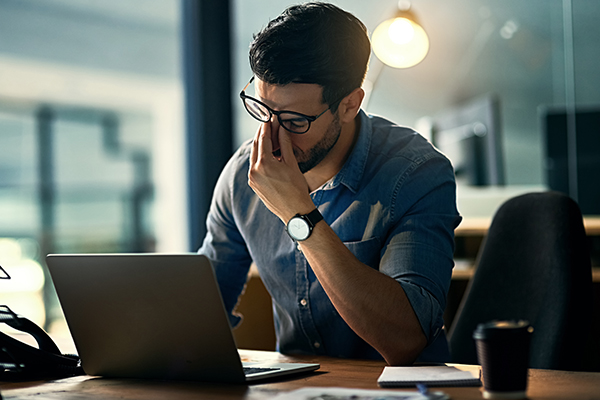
(309, 118)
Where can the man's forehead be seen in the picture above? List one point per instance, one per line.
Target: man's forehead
(290, 95)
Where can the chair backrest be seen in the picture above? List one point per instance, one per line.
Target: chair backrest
(535, 265)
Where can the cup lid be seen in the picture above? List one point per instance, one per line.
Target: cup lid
(489, 329)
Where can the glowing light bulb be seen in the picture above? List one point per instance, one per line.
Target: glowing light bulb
(401, 31)
(400, 42)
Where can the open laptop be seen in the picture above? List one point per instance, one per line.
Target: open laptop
(156, 316)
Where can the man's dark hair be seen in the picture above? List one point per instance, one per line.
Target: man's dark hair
(315, 43)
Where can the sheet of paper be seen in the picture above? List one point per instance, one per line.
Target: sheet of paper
(442, 375)
(337, 393)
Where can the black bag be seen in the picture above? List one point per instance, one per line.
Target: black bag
(20, 361)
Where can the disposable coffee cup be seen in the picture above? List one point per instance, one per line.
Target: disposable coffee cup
(503, 352)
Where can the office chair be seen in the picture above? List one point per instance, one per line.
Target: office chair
(534, 264)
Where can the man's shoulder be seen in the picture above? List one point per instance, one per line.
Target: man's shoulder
(240, 158)
(397, 143)
(243, 152)
(235, 173)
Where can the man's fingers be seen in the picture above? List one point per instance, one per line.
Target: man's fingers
(287, 150)
(265, 146)
(262, 143)
(254, 152)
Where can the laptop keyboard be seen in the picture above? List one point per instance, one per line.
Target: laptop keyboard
(256, 370)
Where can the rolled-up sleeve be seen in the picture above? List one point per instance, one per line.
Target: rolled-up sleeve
(419, 251)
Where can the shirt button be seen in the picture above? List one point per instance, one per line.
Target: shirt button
(317, 345)
(303, 302)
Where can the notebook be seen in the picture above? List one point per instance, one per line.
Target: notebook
(152, 316)
(438, 375)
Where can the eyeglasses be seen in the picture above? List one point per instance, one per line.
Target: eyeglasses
(291, 121)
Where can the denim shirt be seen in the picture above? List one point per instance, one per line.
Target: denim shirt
(393, 204)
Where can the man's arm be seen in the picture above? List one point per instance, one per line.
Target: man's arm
(224, 244)
(373, 304)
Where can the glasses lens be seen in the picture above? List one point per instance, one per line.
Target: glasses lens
(257, 110)
(294, 122)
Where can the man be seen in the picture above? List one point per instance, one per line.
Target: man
(348, 217)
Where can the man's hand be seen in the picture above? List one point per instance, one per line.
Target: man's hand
(372, 304)
(278, 180)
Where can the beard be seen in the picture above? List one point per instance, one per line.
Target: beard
(309, 159)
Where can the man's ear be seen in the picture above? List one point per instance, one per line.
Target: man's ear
(350, 105)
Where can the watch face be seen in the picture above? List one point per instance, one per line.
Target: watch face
(298, 228)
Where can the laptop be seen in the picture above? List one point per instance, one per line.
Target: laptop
(152, 316)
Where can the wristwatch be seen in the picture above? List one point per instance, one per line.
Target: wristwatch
(299, 227)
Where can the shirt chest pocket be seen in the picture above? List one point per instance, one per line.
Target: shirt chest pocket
(366, 251)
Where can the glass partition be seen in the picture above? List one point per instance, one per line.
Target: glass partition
(526, 54)
(91, 138)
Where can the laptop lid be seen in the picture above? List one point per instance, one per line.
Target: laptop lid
(157, 316)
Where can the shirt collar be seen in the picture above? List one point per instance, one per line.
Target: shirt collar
(351, 173)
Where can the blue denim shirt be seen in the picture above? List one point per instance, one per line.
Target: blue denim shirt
(392, 204)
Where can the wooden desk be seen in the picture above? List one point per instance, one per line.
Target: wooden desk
(459, 274)
(543, 384)
(470, 233)
(479, 226)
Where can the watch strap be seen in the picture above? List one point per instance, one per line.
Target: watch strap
(313, 217)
